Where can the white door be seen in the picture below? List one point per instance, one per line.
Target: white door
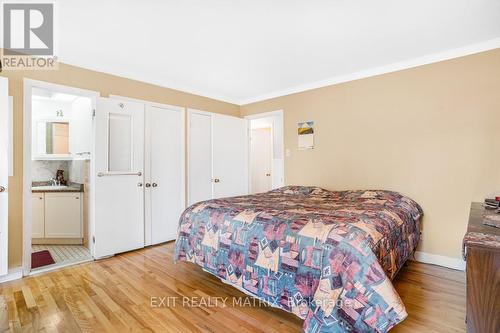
(200, 157)
(261, 143)
(4, 173)
(164, 176)
(119, 165)
(230, 156)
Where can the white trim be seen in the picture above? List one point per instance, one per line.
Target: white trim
(4, 175)
(436, 259)
(397, 66)
(29, 84)
(207, 113)
(155, 104)
(11, 136)
(56, 266)
(162, 84)
(264, 114)
(409, 63)
(13, 274)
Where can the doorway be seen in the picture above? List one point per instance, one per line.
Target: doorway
(58, 164)
(261, 157)
(266, 151)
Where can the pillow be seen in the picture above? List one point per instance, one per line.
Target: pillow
(300, 190)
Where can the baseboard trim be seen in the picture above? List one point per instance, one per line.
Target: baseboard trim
(13, 274)
(436, 259)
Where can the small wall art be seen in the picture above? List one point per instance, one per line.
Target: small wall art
(305, 131)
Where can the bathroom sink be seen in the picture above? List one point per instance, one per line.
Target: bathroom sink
(49, 187)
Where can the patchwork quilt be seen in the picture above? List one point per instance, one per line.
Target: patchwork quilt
(328, 257)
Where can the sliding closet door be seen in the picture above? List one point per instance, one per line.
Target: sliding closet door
(230, 156)
(200, 157)
(164, 196)
(119, 164)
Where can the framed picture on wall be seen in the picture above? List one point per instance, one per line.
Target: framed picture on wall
(305, 132)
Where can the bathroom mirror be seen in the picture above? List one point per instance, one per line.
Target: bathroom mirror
(51, 139)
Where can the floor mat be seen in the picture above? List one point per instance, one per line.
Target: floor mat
(41, 258)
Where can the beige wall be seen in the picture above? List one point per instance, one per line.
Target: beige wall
(91, 80)
(430, 132)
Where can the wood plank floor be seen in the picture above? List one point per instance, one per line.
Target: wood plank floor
(115, 295)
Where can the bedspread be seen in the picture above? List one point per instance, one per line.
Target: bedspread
(326, 256)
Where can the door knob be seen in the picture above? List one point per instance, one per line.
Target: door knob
(216, 180)
(268, 175)
(2, 189)
(155, 185)
(139, 184)
(147, 185)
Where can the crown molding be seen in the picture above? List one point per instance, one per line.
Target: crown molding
(394, 67)
(159, 83)
(397, 66)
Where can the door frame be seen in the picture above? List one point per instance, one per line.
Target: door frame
(255, 116)
(5, 147)
(28, 85)
(147, 218)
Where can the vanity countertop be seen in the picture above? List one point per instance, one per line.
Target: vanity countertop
(41, 187)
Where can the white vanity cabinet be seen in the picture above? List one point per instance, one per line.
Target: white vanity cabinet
(63, 215)
(57, 215)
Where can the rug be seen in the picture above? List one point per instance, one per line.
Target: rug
(41, 258)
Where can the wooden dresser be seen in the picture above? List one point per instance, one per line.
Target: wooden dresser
(482, 253)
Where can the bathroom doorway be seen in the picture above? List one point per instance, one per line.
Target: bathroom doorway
(266, 150)
(58, 158)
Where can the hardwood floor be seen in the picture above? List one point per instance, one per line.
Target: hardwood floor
(129, 292)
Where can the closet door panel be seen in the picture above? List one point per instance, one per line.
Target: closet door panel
(200, 157)
(166, 171)
(119, 164)
(230, 156)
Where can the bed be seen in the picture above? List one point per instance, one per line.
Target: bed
(326, 256)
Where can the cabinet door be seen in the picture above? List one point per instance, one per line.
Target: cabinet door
(80, 134)
(63, 215)
(164, 173)
(37, 226)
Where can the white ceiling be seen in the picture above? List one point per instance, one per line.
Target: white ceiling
(242, 51)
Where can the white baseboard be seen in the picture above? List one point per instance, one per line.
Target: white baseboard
(13, 274)
(435, 259)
